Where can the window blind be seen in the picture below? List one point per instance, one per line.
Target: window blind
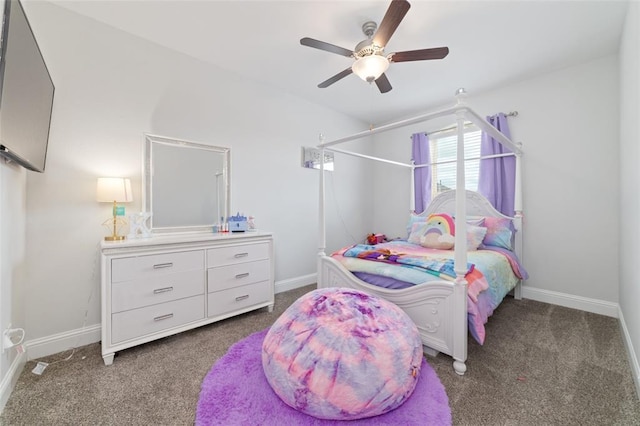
(443, 154)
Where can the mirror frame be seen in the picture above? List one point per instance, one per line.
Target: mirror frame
(147, 181)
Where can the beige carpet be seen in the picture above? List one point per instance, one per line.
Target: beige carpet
(541, 365)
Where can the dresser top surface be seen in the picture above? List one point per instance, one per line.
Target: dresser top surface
(185, 238)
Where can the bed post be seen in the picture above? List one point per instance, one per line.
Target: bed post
(460, 265)
(322, 238)
(518, 217)
(412, 185)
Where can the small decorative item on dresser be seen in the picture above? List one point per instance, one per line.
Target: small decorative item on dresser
(114, 190)
(237, 223)
(138, 225)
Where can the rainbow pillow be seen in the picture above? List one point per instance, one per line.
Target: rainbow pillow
(437, 232)
(341, 354)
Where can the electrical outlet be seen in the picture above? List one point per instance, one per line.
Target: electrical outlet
(311, 159)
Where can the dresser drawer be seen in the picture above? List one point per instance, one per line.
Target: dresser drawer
(140, 292)
(234, 299)
(139, 322)
(232, 255)
(128, 268)
(231, 276)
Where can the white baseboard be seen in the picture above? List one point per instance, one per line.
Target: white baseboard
(9, 380)
(633, 358)
(595, 306)
(293, 283)
(56, 343)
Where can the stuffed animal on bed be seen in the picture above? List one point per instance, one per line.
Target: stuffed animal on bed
(438, 232)
(373, 239)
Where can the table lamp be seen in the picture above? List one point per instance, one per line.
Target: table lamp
(114, 190)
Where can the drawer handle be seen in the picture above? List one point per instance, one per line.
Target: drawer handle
(163, 265)
(163, 317)
(239, 298)
(246, 274)
(239, 255)
(162, 290)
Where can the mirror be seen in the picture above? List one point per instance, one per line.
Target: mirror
(186, 184)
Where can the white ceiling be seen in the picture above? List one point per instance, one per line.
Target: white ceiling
(491, 43)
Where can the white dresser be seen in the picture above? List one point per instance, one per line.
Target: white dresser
(159, 286)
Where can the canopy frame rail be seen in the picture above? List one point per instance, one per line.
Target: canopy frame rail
(460, 107)
(462, 111)
(369, 157)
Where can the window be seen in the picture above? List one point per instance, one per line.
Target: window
(443, 154)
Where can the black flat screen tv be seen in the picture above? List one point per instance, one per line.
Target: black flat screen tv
(26, 92)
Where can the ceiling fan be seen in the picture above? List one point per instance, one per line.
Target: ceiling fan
(370, 59)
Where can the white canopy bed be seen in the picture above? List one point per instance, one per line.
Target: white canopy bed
(439, 308)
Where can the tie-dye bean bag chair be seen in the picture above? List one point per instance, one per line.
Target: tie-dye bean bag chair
(341, 354)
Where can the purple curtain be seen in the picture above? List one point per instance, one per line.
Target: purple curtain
(422, 176)
(497, 180)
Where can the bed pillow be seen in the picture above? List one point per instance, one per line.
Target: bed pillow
(414, 218)
(436, 232)
(499, 232)
(475, 220)
(475, 236)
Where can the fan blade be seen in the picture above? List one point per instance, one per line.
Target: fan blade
(335, 78)
(383, 84)
(393, 17)
(420, 55)
(326, 46)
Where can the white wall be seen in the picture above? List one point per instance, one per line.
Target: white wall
(12, 266)
(110, 88)
(568, 124)
(630, 184)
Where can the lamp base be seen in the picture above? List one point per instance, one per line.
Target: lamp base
(115, 238)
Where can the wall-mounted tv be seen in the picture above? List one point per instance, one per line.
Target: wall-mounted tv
(26, 92)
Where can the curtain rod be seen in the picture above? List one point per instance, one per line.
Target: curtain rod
(468, 123)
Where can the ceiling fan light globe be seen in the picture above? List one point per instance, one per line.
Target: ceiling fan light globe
(369, 68)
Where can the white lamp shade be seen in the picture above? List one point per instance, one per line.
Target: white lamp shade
(370, 67)
(113, 189)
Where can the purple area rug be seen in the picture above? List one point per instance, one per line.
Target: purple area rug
(236, 392)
